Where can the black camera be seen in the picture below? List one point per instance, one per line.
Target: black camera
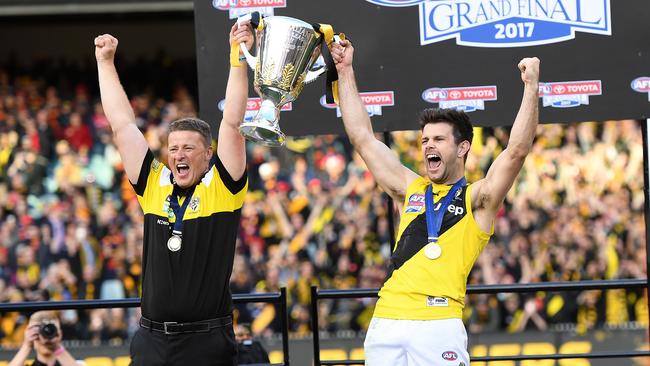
(48, 330)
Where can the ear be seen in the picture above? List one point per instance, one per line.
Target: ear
(463, 148)
(209, 152)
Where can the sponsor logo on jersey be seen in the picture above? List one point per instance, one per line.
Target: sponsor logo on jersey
(415, 203)
(437, 301)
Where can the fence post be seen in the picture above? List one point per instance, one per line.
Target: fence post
(285, 324)
(314, 325)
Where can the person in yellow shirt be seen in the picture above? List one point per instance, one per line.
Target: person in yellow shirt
(445, 222)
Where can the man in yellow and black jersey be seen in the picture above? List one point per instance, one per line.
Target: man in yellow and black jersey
(445, 222)
(192, 209)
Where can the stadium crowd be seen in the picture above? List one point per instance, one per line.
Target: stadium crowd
(71, 228)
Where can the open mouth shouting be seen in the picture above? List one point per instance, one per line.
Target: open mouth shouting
(183, 171)
(433, 161)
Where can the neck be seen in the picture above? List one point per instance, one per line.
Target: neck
(450, 179)
(46, 359)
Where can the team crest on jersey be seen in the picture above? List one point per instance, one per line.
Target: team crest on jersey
(194, 203)
(415, 203)
(458, 193)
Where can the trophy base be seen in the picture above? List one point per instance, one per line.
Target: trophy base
(262, 135)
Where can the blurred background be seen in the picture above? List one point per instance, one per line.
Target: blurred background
(71, 227)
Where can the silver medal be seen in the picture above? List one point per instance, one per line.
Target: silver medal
(432, 250)
(174, 243)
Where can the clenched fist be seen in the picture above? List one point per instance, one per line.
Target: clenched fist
(529, 68)
(105, 47)
(242, 33)
(342, 53)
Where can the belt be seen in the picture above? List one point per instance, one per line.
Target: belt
(190, 327)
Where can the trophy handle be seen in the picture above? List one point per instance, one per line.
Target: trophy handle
(250, 59)
(314, 74)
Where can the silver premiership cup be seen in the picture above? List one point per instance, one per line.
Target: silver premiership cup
(287, 49)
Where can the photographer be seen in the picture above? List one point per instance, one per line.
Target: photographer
(249, 351)
(43, 334)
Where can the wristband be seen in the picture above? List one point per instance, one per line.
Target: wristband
(59, 351)
(234, 55)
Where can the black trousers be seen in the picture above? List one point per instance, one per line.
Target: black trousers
(214, 348)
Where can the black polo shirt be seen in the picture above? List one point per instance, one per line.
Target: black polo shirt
(39, 363)
(191, 284)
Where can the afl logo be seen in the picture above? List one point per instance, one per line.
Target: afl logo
(450, 356)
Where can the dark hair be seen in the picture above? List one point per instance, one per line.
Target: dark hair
(459, 120)
(193, 124)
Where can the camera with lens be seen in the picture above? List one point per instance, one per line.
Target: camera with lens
(48, 330)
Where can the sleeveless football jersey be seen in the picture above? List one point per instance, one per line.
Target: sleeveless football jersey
(419, 288)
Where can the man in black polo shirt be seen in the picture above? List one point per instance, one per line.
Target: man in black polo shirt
(191, 208)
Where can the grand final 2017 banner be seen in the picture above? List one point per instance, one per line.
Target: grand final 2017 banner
(415, 54)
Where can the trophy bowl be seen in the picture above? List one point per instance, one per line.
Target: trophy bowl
(287, 49)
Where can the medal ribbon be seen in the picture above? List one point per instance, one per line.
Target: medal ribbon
(434, 217)
(179, 210)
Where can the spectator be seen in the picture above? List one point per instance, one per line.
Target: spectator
(70, 225)
(249, 351)
(43, 335)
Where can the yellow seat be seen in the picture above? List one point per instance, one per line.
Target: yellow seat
(276, 357)
(357, 354)
(122, 361)
(99, 361)
(333, 354)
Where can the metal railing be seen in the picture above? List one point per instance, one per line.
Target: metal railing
(271, 298)
(317, 294)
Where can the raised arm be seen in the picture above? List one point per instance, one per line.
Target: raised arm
(129, 140)
(489, 192)
(231, 146)
(383, 163)
(31, 334)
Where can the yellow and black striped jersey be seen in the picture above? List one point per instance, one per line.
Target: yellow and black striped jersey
(419, 288)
